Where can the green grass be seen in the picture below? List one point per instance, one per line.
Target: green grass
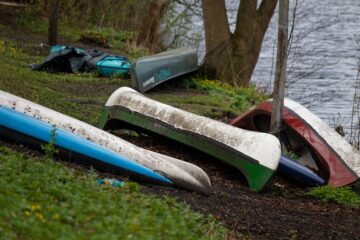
(120, 42)
(342, 195)
(83, 95)
(79, 95)
(42, 199)
(239, 99)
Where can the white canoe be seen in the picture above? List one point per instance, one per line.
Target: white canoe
(255, 154)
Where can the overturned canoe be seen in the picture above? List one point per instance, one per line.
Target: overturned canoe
(21, 128)
(256, 155)
(181, 173)
(309, 137)
(150, 71)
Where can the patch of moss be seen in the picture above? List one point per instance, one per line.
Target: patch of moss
(342, 195)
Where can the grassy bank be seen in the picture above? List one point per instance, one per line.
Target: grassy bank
(41, 199)
(83, 95)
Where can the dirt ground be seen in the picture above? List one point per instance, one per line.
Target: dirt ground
(283, 211)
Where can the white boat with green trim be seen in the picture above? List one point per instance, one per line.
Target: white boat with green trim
(255, 154)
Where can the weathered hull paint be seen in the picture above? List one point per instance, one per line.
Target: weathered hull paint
(337, 158)
(256, 155)
(182, 174)
(22, 124)
(150, 71)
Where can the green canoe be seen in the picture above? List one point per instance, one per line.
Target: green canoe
(255, 154)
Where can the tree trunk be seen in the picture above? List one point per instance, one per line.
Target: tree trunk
(281, 63)
(53, 22)
(217, 32)
(232, 57)
(150, 27)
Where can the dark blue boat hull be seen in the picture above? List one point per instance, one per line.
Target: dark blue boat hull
(290, 169)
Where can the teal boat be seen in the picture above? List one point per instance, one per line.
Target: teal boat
(113, 66)
(150, 71)
(73, 60)
(58, 48)
(255, 154)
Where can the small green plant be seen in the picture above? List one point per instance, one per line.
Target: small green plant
(342, 195)
(49, 148)
(240, 98)
(291, 154)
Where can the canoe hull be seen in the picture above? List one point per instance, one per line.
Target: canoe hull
(20, 127)
(198, 132)
(324, 143)
(150, 71)
(182, 174)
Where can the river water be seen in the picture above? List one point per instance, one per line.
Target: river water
(323, 60)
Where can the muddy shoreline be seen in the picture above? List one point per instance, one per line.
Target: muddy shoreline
(282, 211)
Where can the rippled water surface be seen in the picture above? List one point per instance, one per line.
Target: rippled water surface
(323, 58)
(323, 68)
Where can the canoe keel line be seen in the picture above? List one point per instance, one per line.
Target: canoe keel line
(256, 155)
(19, 126)
(180, 173)
(336, 158)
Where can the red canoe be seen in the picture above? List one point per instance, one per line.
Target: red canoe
(309, 137)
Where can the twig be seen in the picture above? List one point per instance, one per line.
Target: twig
(12, 4)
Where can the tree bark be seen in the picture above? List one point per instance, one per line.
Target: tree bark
(280, 72)
(53, 22)
(217, 32)
(232, 57)
(150, 27)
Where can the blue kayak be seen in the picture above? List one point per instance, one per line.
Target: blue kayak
(19, 123)
(289, 168)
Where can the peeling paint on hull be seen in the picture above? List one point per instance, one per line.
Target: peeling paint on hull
(150, 71)
(336, 157)
(256, 155)
(182, 174)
